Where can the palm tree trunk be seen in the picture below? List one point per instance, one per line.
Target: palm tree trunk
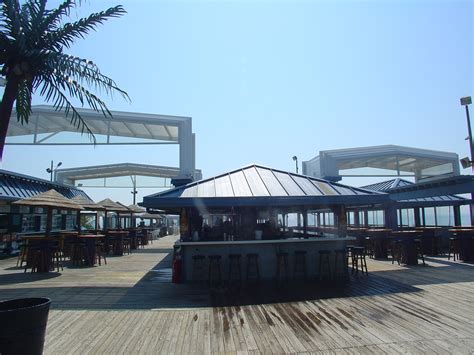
(6, 107)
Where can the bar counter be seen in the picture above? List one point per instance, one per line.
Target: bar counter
(266, 250)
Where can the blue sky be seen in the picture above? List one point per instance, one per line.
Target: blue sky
(266, 80)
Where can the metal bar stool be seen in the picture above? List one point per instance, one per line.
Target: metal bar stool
(253, 270)
(324, 261)
(199, 268)
(299, 269)
(214, 275)
(282, 267)
(235, 270)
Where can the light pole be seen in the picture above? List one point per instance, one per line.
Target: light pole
(134, 191)
(51, 170)
(295, 158)
(466, 101)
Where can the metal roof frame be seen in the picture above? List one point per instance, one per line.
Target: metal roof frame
(71, 175)
(406, 161)
(45, 123)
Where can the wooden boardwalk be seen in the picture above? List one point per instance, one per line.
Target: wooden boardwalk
(130, 306)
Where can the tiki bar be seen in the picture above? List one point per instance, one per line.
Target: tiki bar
(260, 223)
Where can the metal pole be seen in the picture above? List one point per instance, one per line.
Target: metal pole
(471, 150)
(471, 146)
(51, 172)
(296, 161)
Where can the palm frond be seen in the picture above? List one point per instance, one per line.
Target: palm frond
(82, 70)
(53, 17)
(36, 10)
(53, 94)
(23, 102)
(70, 31)
(11, 13)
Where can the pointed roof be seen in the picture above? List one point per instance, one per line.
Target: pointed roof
(110, 205)
(441, 200)
(136, 209)
(50, 198)
(15, 186)
(151, 216)
(388, 184)
(87, 204)
(256, 185)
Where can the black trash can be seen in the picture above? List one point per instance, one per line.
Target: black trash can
(23, 325)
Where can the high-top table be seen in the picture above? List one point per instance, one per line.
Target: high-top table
(407, 238)
(90, 241)
(430, 239)
(45, 247)
(466, 242)
(380, 238)
(117, 236)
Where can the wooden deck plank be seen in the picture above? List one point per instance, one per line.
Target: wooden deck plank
(152, 331)
(248, 334)
(162, 327)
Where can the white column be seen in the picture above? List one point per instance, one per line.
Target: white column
(186, 149)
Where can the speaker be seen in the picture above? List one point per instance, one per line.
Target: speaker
(466, 162)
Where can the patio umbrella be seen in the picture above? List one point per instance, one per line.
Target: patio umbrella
(88, 205)
(111, 206)
(49, 199)
(134, 209)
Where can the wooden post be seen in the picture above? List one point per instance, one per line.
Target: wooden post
(78, 221)
(457, 215)
(416, 214)
(305, 222)
(340, 213)
(49, 221)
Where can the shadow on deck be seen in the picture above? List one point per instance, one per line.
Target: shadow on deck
(155, 290)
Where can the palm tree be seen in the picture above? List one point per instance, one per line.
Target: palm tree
(32, 40)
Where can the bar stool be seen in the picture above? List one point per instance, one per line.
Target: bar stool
(454, 247)
(369, 244)
(235, 270)
(100, 252)
(349, 253)
(33, 258)
(324, 261)
(57, 257)
(253, 270)
(396, 251)
(358, 255)
(80, 254)
(340, 264)
(299, 269)
(22, 255)
(199, 267)
(282, 267)
(419, 249)
(214, 274)
(127, 245)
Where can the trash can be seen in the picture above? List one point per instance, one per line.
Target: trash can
(23, 325)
